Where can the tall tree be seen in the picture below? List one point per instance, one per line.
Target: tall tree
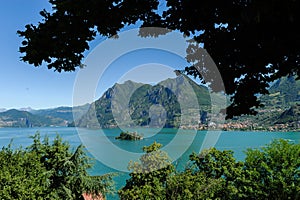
(148, 177)
(270, 172)
(252, 42)
(49, 170)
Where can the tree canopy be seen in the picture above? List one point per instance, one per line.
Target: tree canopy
(252, 42)
(49, 170)
(270, 172)
(148, 177)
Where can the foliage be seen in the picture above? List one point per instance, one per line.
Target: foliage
(192, 186)
(271, 172)
(215, 164)
(148, 177)
(245, 41)
(22, 176)
(129, 136)
(255, 42)
(48, 170)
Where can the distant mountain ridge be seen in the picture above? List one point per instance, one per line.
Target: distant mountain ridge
(61, 116)
(28, 109)
(163, 104)
(63, 112)
(3, 110)
(17, 118)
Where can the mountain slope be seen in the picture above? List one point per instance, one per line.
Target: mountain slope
(281, 106)
(284, 92)
(137, 104)
(60, 116)
(17, 118)
(63, 112)
(292, 115)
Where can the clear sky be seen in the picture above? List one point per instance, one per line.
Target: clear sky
(23, 85)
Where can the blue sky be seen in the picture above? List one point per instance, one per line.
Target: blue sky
(23, 85)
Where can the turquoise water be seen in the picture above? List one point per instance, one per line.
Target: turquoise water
(113, 155)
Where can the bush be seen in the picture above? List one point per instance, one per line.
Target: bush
(271, 172)
(47, 170)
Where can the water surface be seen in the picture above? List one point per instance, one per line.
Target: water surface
(183, 143)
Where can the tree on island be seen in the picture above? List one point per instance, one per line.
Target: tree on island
(129, 136)
(252, 42)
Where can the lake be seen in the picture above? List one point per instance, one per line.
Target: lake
(113, 155)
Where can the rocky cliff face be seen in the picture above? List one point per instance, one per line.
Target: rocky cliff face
(136, 104)
(291, 116)
(182, 102)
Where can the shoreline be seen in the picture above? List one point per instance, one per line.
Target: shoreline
(259, 129)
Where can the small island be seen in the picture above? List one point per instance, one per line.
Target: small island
(129, 136)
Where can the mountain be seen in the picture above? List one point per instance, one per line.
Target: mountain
(170, 103)
(284, 92)
(17, 118)
(137, 104)
(283, 100)
(290, 115)
(281, 107)
(63, 112)
(28, 109)
(60, 116)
